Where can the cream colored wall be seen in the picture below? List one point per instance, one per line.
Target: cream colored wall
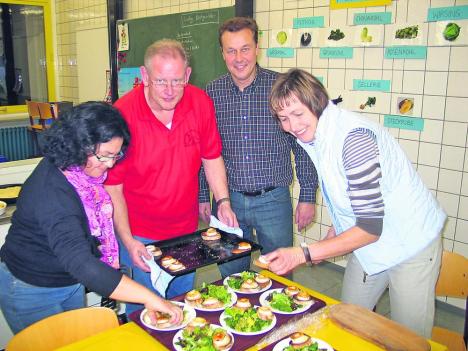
(439, 152)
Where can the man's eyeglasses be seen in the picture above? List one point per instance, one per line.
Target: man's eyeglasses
(115, 158)
(163, 83)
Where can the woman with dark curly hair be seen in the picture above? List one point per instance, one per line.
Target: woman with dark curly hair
(62, 234)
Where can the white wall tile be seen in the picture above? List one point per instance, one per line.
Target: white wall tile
(358, 59)
(449, 203)
(432, 131)
(462, 231)
(429, 175)
(276, 20)
(452, 157)
(459, 58)
(456, 109)
(304, 58)
(411, 149)
(373, 58)
(276, 5)
(464, 188)
(413, 82)
(429, 154)
(336, 79)
(433, 107)
(450, 181)
(463, 208)
(457, 84)
(437, 58)
(435, 83)
(454, 134)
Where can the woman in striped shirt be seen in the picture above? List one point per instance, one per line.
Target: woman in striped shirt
(381, 211)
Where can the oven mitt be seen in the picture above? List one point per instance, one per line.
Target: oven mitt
(216, 223)
(159, 277)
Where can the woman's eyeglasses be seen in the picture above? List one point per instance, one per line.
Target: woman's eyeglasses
(115, 158)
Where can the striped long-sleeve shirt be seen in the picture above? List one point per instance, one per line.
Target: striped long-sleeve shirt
(362, 169)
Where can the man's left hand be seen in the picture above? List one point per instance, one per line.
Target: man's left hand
(227, 215)
(305, 213)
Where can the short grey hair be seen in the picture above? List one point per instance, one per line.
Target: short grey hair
(168, 48)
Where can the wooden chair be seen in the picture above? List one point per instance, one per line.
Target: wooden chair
(453, 282)
(63, 329)
(40, 116)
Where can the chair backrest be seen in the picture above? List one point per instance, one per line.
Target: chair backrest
(453, 277)
(63, 328)
(40, 113)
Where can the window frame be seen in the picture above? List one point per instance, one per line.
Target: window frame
(49, 53)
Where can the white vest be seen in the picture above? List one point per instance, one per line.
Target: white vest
(413, 218)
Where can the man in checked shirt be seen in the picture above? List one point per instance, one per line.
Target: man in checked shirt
(256, 152)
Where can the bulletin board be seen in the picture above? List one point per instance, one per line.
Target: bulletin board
(197, 31)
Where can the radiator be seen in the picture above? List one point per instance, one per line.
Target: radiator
(16, 143)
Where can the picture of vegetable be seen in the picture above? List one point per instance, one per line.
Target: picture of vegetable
(407, 33)
(336, 35)
(365, 38)
(370, 102)
(306, 38)
(451, 31)
(281, 37)
(405, 106)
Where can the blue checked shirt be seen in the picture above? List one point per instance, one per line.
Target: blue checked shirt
(256, 151)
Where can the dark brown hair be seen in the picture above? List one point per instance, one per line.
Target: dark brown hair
(236, 24)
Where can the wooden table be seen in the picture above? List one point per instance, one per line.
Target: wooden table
(131, 337)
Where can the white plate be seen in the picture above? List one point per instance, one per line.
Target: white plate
(285, 343)
(212, 326)
(270, 327)
(264, 302)
(233, 301)
(188, 316)
(245, 292)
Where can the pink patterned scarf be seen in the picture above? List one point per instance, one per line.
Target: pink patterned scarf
(99, 210)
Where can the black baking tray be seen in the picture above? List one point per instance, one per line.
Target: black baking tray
(9, 200)
(194, 252)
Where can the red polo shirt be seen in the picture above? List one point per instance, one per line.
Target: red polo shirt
(159, 172)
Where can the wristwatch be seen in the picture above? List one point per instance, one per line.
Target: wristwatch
(305, 249)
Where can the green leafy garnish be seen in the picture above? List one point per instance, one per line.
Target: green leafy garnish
(244, 321)
(282, 302)
(197, 339)
(217, 291)
(312, 347)
(235, 282)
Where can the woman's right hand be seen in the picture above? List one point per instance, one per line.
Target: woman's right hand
(161, 305)
(136, 249)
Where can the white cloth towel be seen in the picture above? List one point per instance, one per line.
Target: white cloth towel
(216, 223)
(159, 277)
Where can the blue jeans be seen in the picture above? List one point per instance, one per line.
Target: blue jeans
(24, 304)
(271, 216)
(178, 286)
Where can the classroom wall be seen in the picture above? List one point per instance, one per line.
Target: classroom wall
(438, 84)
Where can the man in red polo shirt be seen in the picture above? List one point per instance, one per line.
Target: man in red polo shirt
(155, 187)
